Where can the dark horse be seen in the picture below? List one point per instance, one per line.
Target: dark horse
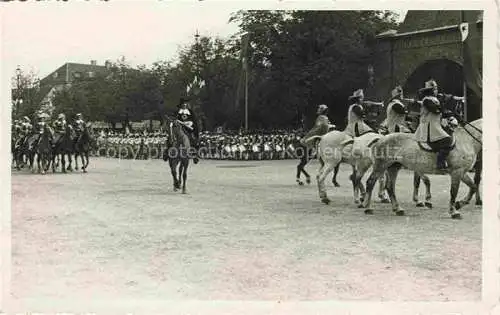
(177, 153)
(82, 148)
(43, 149)
(305, 154)
(63, 146)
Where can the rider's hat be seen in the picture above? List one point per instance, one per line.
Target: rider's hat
(61, 116)
(397, 91)
(429, 85)
(26, 118)
(322, 108)
(357, 94)
(78, 115)
(183, 100)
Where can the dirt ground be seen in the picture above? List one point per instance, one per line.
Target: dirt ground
(244, 231)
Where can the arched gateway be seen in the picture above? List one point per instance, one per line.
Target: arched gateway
(428, 44)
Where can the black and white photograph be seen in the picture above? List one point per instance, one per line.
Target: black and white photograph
(203, 151)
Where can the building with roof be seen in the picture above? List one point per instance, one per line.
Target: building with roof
(64, 76)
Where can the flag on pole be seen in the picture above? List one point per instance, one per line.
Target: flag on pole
(472, 74)
(464, 29)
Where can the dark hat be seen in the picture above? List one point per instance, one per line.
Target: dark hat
(429, 85)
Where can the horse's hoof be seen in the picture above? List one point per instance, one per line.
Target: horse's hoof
(399, 212)
(84, 170)
(360, 206)
(362, 199)
(459, 205)
(420, 204)
(369, 211)
(385, 200)
(479, 203)
(184, 192)
(456, 216)
(336, 184)
(325, 200)
(308, 180)
(301, 183)
(428, 205)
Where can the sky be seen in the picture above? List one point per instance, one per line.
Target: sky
(43, 36)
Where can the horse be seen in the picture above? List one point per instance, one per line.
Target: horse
(337, 147)
(305, 154)
(400, 149)
(17, 154)
(63, 146)
(82, 148)
(456, 108)
(177, 153)
(28, 148)
(43, 149)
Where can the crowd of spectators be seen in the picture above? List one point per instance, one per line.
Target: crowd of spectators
(256, 145)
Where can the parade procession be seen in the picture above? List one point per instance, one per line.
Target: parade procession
(252, 160)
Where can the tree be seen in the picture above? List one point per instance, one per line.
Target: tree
(26, 96)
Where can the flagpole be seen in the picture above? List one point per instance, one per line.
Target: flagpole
(246, 99)
(464, 80)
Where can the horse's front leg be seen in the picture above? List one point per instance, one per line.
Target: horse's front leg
(428, 194)
(334, 177)
(32, 162)
(392, 175)
(173, 167)
(70, 161)
(377, 172)
(325, 169)
(184, 167)
(456, 177)
(416, 186)
(38, 163)
(382, 188)
(84, 167)
(473, 189)
(477, 181)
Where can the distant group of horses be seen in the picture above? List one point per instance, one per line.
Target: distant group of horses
(51, 149)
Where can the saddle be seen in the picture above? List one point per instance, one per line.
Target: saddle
(429, 147)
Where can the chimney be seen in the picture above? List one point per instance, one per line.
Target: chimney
(93, 62)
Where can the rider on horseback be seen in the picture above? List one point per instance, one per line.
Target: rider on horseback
(60, 124)
(396, 113)
(188, 119)
(355, 115)
(321, 126)
(430, 129)
(79, 125)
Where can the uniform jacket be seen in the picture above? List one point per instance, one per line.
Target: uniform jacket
(79, 124)
(429, 128)
(355, 124)
(187, 116)
(395, 122)
(60, 126)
